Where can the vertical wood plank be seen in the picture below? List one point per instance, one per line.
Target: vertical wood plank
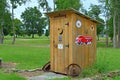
(66, 51)
(51, 45)
(71, 40)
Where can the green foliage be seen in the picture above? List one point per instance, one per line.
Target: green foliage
(107, 60)
(44, 5)
(110, 30)
(111, 13)
(68, 4)
(18, 27)
(116, 78)
(33, 22)
(94, 11)
(43, 23)
(100, 27)
(3, 12)
(15, 3)
(47, 33)
(7, 23)
(102, 63)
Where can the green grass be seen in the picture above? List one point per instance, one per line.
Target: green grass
(26, 57)
(34, 53)
(27, 53)
(5, 76)
(61, 79)
(109, 56)
(116, 78)
(107, 60)
(28, 42)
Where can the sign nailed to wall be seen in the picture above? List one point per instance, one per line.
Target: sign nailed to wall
(60, 46)
(83, 40)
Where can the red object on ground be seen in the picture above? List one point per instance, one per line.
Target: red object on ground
(83, 39)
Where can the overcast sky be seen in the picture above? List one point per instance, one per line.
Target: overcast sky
(20, 9)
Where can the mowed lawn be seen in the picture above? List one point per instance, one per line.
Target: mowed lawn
(34, 53)
(27, 53)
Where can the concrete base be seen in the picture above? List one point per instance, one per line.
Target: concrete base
(47, 76)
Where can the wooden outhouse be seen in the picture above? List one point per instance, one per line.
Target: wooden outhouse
(72, 41)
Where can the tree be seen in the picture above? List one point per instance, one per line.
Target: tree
(67, 4)
(7, 23)
(18, 27)
(118, 21)
(43, 23)
(119, 30)
(44, 5)
(3, 9)
(110, 30)
(94, 12)
(114, 24)
(112, 8)
(100, 27)
(106, 7)
(14, 4)
(32, 20)
(47, 33)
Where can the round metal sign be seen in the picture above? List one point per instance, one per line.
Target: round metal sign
(78, 24)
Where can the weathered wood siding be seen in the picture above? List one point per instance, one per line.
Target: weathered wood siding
(83, 55)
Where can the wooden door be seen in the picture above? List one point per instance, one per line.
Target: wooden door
(60, 57)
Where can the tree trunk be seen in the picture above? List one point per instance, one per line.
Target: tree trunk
(98, 38)
(114, 31)
(54, 4)
(33, 35)
(1, 35)
(118, 31)
(106, 38)
(106, 25)
(2, 24)
(114, 27)
(13, 42)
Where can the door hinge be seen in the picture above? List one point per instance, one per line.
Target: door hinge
(67, 45)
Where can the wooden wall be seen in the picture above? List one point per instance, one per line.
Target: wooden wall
(83, 55)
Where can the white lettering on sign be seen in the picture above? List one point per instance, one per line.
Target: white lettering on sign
(60, 46)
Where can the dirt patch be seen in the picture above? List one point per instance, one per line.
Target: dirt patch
(30, 73)
(9, 65)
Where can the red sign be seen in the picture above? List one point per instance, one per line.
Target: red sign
(83, 40)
